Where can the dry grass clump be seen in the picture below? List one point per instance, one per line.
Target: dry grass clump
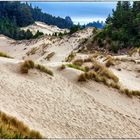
(136, 92)
(77, 67)
(115, 85)
(70, 57)
(133, 50)
(78, 62)
(2, 54)
(32, 51)
(88, 59)
(50, 55)
(100, 73)
(92, 75)
(103, 71)
(11, 128)
(127, 92)
(44, 69)
(29, 64)
(130, 93)
(95, 55)
(62, 67)
(110, 62)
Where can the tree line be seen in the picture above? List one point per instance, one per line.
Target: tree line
(14, 15)
(122, 29)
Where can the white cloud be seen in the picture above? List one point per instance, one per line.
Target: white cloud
(85, 20)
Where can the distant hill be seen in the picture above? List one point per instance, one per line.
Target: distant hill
(14, 15)
(44, 28)
(98, 24)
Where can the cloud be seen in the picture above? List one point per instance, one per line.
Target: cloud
(85, 20)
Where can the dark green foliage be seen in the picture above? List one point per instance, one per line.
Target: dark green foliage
(14, 15)
(37, 34)
(96, 24)
(38, 15)
(75, 28)
(123, 27)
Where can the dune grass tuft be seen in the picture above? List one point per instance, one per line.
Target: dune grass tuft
(62, 67)
(44, 69)
(103, 71)
(2, 54)
(70, 57)
(77, 67)
(32, 51)
(110, 62)
(29, 64)
(50, 55)
(11, 128)
(78, 62)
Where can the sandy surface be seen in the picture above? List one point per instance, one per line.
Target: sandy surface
(59, 106)
(42, 27)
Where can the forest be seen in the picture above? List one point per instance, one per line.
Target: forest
(122, 29)
(14, 15)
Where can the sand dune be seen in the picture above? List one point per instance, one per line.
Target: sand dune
(42, 27)
(58, 106)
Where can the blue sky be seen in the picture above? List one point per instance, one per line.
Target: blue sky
(82, 12)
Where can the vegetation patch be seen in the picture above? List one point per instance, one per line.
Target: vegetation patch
(50, 55)
(29, 64)
(77, 67)
(11, 128)
(78, 62)
(70, 57)
(62, 67)
(2, 54)
(103, 71)
(133, 50)
(32, 51)
(110, 62)
(43, 69)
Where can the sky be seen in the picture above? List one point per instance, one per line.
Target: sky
(80, 12)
